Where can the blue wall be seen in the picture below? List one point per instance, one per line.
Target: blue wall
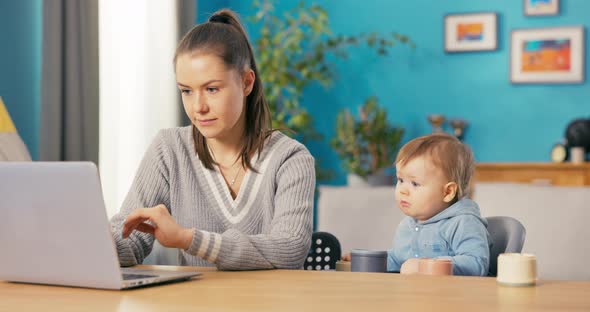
(507, 122)
(20, 66)
(207, 7)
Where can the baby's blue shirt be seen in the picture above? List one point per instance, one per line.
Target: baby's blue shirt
(457, 233)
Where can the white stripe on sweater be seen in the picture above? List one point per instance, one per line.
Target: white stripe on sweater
(236, 203)
(216, 247)
(204, 244)
(252, 194)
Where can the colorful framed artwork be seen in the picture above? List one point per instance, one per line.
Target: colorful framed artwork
(471, 32)
(547, 55)
(541, 7)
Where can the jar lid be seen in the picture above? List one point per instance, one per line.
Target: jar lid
(369, 253)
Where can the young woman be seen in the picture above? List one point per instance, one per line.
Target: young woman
(227, 190)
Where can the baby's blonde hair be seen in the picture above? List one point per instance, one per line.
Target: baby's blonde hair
(447, 153)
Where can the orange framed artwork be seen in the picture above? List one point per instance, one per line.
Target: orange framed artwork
(470, 32)
(541, 7)
(547, 55)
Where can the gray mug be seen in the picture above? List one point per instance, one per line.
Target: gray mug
(363, 260)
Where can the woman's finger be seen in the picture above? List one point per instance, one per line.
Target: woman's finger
(131, 224)
(134, 222)
(140, 215)
(145, 228)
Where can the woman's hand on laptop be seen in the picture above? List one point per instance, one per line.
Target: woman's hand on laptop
(163, 227)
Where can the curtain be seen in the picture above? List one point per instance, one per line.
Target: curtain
(69, 86)
(185, 15)
(138, 92)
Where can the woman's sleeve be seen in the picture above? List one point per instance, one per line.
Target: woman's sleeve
(288, 241)
(150, 188)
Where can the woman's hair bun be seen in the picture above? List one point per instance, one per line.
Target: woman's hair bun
(220, 18)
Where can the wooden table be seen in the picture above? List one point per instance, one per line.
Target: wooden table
(284, 290)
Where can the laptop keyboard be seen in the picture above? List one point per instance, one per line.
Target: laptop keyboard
(136, 276)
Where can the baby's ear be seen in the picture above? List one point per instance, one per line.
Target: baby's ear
(450, 192)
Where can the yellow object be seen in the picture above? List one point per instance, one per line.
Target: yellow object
(343, 266)
(6, 124)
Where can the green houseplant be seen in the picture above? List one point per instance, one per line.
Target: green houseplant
(293, 51)
(369, 144)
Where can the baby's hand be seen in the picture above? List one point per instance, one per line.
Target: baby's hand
(346, 257)
(410, 266)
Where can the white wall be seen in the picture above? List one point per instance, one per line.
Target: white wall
(138, 94)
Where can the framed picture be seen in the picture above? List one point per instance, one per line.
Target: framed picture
(541, 7)
(547, 55)
(470, 32)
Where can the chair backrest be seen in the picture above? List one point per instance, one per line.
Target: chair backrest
(323, 253)
(507, 235)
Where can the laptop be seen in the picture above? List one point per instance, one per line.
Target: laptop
(54, 229)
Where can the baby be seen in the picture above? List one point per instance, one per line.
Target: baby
(433, 177)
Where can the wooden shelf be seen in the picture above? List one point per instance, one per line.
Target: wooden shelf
(562, 174)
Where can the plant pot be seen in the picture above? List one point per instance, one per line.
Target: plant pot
(380, 179)
(355, 180)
